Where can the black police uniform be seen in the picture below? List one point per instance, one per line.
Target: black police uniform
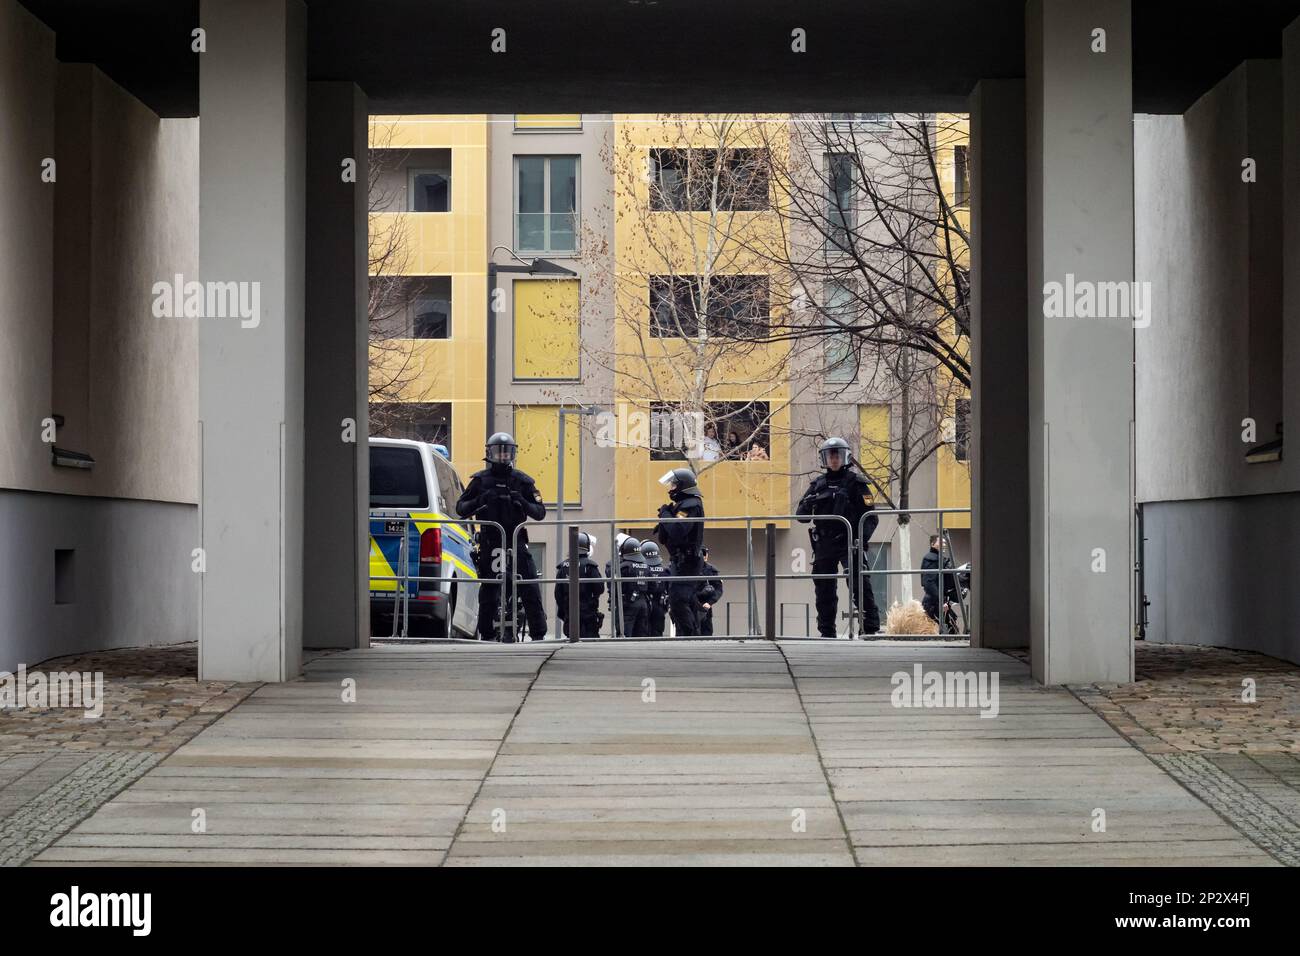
(848, 494)
(683, 539)
(658, 591)
(589, 616)
(930, 583)
(635, 597)
(710, 593)
(508, 496)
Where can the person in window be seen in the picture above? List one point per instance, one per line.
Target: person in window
(733, 445)
(757, 453)
(710, 450)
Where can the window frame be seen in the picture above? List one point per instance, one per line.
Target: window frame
(514, 331)
(413, 315)
(413, 171)
(546, 204)
(833, 207)
(577, 424)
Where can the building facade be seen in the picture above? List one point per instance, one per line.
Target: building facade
(652, 328)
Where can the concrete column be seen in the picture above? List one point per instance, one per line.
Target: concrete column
(1079, 129)
(336, 605)
(999, 366)
(1290, 265)
(252, 103)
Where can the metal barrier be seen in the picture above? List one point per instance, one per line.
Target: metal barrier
(941, 571)
(616, 578)
(507, 618)
(404, 579)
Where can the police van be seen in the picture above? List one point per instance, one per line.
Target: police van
(415, 533)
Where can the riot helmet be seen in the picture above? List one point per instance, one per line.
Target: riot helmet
(680, 483)
(833, 454)
(501, 450)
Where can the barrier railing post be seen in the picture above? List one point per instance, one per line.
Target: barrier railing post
(770, 582)
(575, 622)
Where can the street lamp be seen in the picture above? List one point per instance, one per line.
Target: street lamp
(538, 267)
(559, 493)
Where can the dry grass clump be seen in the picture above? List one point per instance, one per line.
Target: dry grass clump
(909, 618)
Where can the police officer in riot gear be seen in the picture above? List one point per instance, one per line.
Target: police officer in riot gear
(633, 590)
(709, 593)
(504, 494)
(839, 491)
(656, 569)
(589, 591)
(684, 540)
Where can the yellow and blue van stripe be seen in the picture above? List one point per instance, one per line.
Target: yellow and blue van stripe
(385, 548)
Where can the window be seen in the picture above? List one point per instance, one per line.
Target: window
(537, 430)
(406, 307)
(546, 203)
(722, 430)
(548, 122)
(674, 307)
(546, 332)
(961, 433)
(397, 478)
(960, 177)
(431, 308)
(837, 304)
(839, 199)
(449, 486)
(682, 180)
(738, 306)
(429, 186)
(862, 120)
(420, 421)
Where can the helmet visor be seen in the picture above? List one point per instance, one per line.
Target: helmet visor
(833, 457)
(669, 480)
(501, 454)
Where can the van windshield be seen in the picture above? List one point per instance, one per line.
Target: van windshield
(396, 478)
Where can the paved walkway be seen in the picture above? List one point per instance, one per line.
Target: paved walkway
(675, 754)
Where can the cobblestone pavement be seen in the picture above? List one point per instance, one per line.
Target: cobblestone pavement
(57, 766)
(1186, 712)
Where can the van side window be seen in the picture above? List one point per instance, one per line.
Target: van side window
(449, 486)
(397, 478)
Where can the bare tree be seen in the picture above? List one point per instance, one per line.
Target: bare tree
(872, 246)
(394, 366)
(706, 361)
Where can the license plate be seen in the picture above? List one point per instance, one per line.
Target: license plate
(394, 527)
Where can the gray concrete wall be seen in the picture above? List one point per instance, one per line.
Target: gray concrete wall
(132, 583)
(1210, 246)
(1224, 259)
(1221, 572)
(78, 259)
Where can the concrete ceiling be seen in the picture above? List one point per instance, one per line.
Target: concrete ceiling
(647, 55)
